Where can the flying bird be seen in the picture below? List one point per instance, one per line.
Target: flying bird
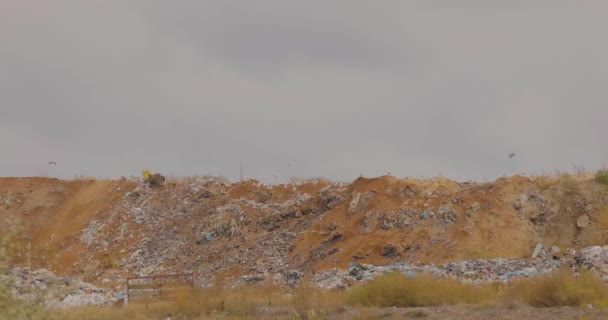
(511, 155)
(52, 163)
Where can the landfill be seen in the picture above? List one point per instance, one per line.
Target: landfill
(334, 234)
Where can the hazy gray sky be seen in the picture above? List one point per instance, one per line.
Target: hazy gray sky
(335, 88)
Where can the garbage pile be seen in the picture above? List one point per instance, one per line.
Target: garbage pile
(42, 286)
(336, 234)
(476, 271)
(592, 258)
(203, 225)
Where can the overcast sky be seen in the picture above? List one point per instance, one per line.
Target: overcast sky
(309, 88)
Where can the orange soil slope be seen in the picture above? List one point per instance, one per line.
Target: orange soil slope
(491, 220)
(53, 212)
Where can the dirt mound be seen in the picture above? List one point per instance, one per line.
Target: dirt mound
(108, 229)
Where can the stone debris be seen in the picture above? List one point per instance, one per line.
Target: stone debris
(52, 291)
(582, 221)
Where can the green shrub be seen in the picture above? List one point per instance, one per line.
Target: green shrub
(601, 176)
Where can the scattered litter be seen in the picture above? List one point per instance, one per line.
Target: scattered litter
(53, 291)
(537, 249)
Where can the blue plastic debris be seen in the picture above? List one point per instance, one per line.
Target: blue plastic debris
(424, 215)
(409, 274)
(208, 236)
(525, 272)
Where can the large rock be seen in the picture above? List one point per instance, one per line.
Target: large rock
(582, 221)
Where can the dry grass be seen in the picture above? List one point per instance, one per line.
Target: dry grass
(569, 184)
(304, 302)
(560, 289)
(17, 310)
(308, 303)
(10, 246)
(545, 182)
(396, 290)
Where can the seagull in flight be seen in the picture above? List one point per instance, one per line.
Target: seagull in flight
(511, 155)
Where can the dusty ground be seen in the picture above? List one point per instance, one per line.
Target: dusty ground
(442, 313)
(95, 229)
(471, 313)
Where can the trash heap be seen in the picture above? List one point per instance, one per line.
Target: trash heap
(476, 271)
(42, 286)
(334, 234)
(202, 225)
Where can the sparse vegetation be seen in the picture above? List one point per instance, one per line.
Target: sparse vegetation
(560, 289)
(11, 308)
(305, 302)
(396, 290)
(601, 176)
